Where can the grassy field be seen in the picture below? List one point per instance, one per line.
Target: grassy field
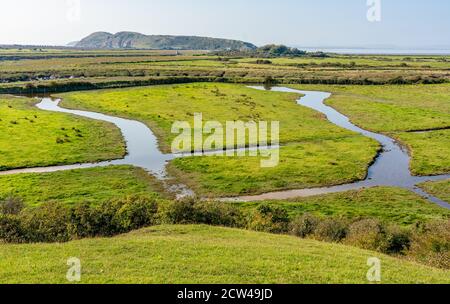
(361, 61)
(399, 111)
(302, 165)
(391, 205)
(97, 185)
(160, 106)
(85, 185)
(440, 189)
(68, 68)
(33, 138)
(201, 254)
(395, 108)
(430, 151)
(317, 152)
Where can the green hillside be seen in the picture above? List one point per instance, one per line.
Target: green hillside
(202, 254)
(130, 40)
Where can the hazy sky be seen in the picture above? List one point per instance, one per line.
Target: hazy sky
(412, 23)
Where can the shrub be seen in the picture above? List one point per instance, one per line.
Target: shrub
(269, 219)
(188, 211)
(11, 205)
(178, 212)
(82, 221)
(112, 217)
(136, 212)
(398, 240)
(304, 226)
(331, 230)
(46, 223)
(269, 81)
(262, 61)
(431, 245)
(366, 234)
(30, 87)
(11, 230)
(217, 214)
(104, 219)
(54, 222)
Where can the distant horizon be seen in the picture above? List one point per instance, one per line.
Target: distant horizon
(368, 46)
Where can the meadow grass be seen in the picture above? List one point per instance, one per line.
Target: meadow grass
(50, 67)
(96, 185)
(202, 254)
(316, 153)
(390, 205)
(440, 189)
(302, 165)
(430, 151)
(160, 106)
(33, 138)
(399, 111)
(93, 186)
(372, 61)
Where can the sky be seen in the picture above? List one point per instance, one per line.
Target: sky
(308, 23)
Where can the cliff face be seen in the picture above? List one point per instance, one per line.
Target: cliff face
(130, 40)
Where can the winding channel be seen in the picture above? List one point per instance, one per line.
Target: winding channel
(391, 168)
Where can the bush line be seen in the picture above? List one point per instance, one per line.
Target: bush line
(427, 243)
(60, 87)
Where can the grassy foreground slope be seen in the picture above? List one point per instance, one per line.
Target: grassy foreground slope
(78, 186)
(401, 111)
(33, 138)
(202, 254)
